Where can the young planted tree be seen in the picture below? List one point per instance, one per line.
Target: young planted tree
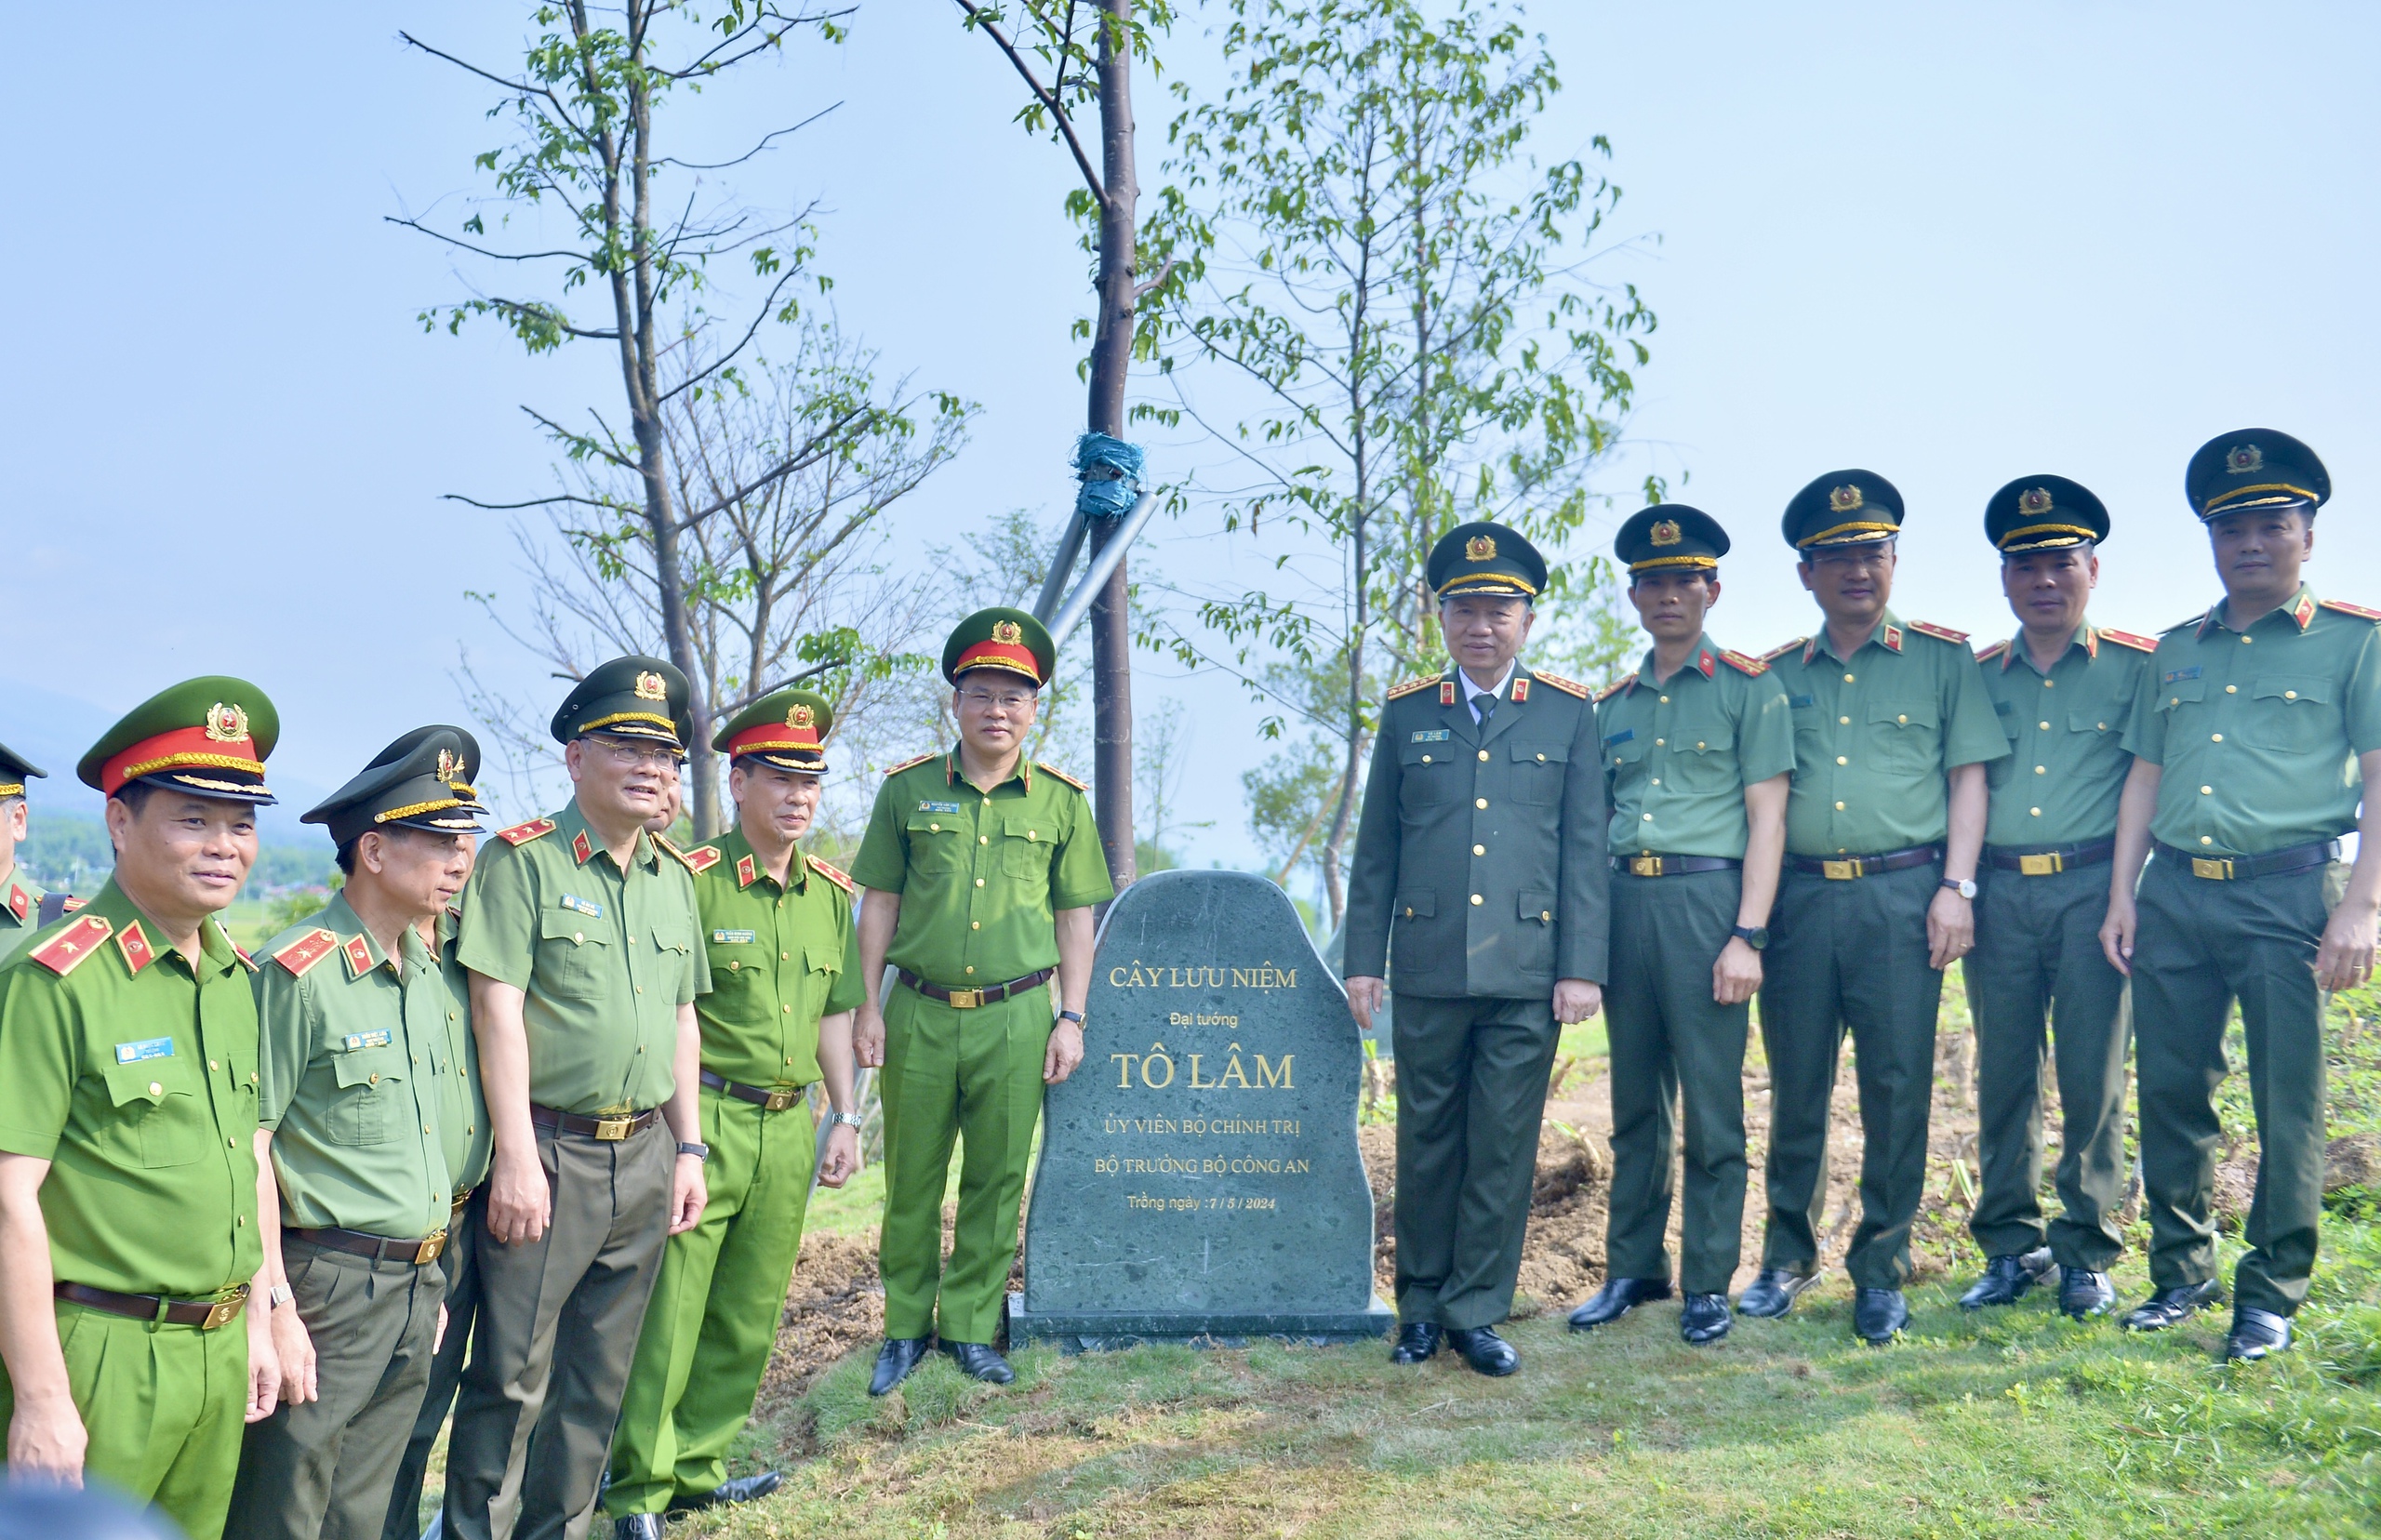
(1391, 322)
(605, 209)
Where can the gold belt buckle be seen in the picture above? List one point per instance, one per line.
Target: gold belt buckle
(2219, 869)
(224, 1311)
(427, 1252)
(967, 1000)
(780, 1097)
(1644, 866)
(2043, 865)
(1840, 871)
(614, 1128)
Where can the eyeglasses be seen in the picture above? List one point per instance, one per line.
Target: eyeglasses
(636, 756)
(1859, 557)
(985, 700)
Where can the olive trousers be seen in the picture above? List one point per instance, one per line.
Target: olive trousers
(1672, 1042)
(326, 1467)
(974, 1076)
(1849, 955)
(459, 1263)
(714, 1314)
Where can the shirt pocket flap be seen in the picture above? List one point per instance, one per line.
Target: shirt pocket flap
(148, 1080)
(1430, 749)
(563, 925)
(1027, 827)
(1902, 714)
(2287, 687)
(1417, 903)
(936, 825)
(1541, 753)
(2091, 722)
(1537, 906)
(355, 1066)
(1701, 737)
(821, 958)
(2180, 692)
(664, 941)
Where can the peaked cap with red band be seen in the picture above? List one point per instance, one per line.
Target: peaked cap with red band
(1008, 640)
(209, 737)
(782, 728)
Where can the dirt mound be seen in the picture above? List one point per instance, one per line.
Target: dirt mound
(834, 1305)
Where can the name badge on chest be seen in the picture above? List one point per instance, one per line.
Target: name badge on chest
(1435, 734)
(938, 807)
(732, 937)
(587, 907)
(147, 1048)
(377, 1037)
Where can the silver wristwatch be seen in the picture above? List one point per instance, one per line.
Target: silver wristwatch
(282, 1295)
(848, 1120)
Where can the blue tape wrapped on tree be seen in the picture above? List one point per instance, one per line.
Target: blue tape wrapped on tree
(1111, 469)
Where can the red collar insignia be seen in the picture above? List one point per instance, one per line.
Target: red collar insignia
(2304, 609)
(19, 904)
(134, 943)
(1521, 688)
(1704, 663)
(359, 956)
(1447, 692)
(745, 871)
(582, 848)
(1892, 638)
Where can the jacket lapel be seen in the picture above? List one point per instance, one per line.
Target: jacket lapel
(1459, 715)
(1508, 709)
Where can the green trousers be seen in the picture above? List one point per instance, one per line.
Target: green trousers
(162, 1406)
(715, 1310)
(1669, 1036)
(324, 1467)
(1849, 955)
(976, 1076)
(2038, 969)
(2201, 945)
(458, 1263)
(1471, 1098)
(557, 1328)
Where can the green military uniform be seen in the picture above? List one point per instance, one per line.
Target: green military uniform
(605, 956)
(781, 958)
(2038, 976)
(1680, 752)
(1875, 735)
(1480, 880)
(19, 899)
(132, 1069)
(359, 1084)
(2255, 733)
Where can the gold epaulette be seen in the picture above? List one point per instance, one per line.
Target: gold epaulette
(1615, 687)
(522, 833)
(2346, 608)
(2126, 639)
(307, 950)
(1940, 633)
(1998, 648)
(913, 764)
(1047, 768)
(1743, 664)
(1399, 692)
(701, 858)
(66, 951)
(840, 879)
(1556, 682)
(674, 852)
(1773, 654)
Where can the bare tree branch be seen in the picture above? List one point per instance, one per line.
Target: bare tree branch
(1049, 100)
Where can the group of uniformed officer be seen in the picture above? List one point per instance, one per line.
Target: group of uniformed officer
(1830, 826)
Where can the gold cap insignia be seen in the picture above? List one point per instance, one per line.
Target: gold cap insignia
(1665, 532)
(226, 724)
(801, 716)
(1007, 631)
(1843, 499)
(1480, 548)
(447, 768)
(2243, 458)
(649, 686)
(2034, 500)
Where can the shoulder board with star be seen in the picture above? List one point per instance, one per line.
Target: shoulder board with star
(73, 944)
(1399, 692)
(2359, 611)
(1773, 654)
(675, 854)
(1940, 633)
(1988, 654)
(701, 858)
(2135, 640)
(522, 833)
(838, 878)
(1556, 682)
(1057, 774)
(913, 764)
(1742, 663)
(306, 950)
(1615, 687)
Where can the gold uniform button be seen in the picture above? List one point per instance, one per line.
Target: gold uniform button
(1903, 720)
(1839, 808)
(1546, 914)
(2210, 839)
(2035, 811)
(975, 924)
(789, 1010)
(937, 828)
(1847, 679)
(1843, 722)
(1698, 743)
(1649, 817)
(1479, 801)
(2045, 726)
(1660, 742)
(983, 839)
(1475, 898)
(971, 967)
(2174, 700)
(241, 1220)
(1426, 759)
(2042, 770)
(1480, 850)
(2246, 639)
(1841, 760)
(1032, 835)
(640, 988)
(980, 882)
(2290, 695)
(376, 1079)
(1658, 780)
(1666, 700)
(2231, 689)
(2207, 791)
(1483, 754)
(450, 1015)
(231, 1144)
(1542, 758)
(2104, 726)
(210, 1064)
(2048, 684)
(2215, 737)
(734, 965)
(580, 937)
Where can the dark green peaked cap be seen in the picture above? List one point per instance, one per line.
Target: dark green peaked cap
(1842, 508)
(1486, 558)
(423, 781)
(782, 728)
(1000, 638)
(633, 697)
(1671, 536)
(14, 769)
(209, 737)
(2043, 513)
(2254, 468)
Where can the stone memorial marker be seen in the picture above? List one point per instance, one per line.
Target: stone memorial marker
(1198, 1175)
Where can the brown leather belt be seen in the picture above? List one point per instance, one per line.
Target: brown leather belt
(2273, 863)
(205, 1314)
(1845, 868)
(1672, 866)
(769, 1099)
(606, 1129)
(2047, 863)
(463, 1200)
(968, 999)
(422, 1253)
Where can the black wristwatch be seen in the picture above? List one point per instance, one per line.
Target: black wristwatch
(1075, 1017)
(700, 1152)
(1755, 936)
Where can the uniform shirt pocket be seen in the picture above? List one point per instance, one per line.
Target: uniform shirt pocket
(1026, 847)
(1903, 737)
(938, 842)
(2177, 694)
(570, 955)
(1426, 774)
(2294, 713)
(1536, 908)
(737, 961)
(158, 1113)
(1703, 757)
(1538, 771)
(371, 1081)
(1415, 904)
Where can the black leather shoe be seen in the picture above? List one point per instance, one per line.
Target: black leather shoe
(1772, 1291)
(894, 1362)
(2007, 1278)
(1485, 1350)
(1617, 1298)
(742, 1489)
(1418, 1341)
(1704, 1318)
(2169, 1305)
(637, 1526)
(1879, 1315)
(2256, 1333)
(2085, 1294)
(976, 1360)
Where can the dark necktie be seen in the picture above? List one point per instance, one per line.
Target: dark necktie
(1486, 706)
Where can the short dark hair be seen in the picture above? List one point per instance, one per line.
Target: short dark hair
(1706, 573)
(346, 857)
(134, 794)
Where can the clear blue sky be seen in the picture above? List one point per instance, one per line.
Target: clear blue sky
(1953, 244)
